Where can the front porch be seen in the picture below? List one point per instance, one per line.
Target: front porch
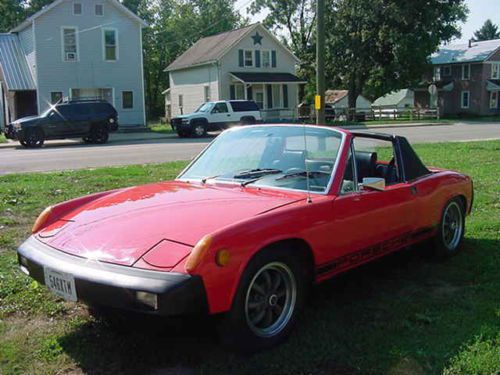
(276, 94)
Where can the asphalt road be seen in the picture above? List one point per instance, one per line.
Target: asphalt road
(78, 156)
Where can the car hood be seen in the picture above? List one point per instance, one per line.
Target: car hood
(27, 119)
(123, 226)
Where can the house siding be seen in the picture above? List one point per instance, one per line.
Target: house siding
(91, 71)
(190, 83)
(28, 45)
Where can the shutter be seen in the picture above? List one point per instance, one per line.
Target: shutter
(273, 59)
(240, 57)
(249, 93)
(285, 96)
(257, 58)
(269, 89)
(232, 92)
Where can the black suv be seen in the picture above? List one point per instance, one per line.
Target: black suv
(90, 119)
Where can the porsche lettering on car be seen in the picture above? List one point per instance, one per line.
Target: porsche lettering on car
(263, 213)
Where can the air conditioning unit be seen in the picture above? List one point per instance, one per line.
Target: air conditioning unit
(70, 56)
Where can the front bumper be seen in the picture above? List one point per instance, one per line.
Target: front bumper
(103, 284)
(10, 133)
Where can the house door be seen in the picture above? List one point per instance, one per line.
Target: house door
(25, 104)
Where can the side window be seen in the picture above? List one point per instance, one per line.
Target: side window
(349, 184)
(220, 108)
(55, 97)
(376, 158)
(64, 111)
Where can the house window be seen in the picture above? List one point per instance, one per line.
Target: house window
(237, 91)
(55, 97)
(494, 100)
(99, 10)
(495, 71)
(110, 44)
(437, 74)
(70, 43)
(77, 9)
(248, 58)
(266, 59)
(181, 101)
(277, 96)
(127, 100)
(466, 72)
(465, 99)
(206, 92)
(446, 71)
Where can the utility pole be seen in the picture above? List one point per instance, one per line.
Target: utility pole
(320, 62)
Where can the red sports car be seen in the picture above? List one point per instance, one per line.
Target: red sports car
(258, 217)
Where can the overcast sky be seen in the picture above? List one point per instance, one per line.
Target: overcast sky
(480, 11)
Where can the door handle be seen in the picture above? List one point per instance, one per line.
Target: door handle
(413, 190)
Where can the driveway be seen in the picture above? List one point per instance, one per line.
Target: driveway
(71, 155)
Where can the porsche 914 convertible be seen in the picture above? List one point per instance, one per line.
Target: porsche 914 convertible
(263, 213)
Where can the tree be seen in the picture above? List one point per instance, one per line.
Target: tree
(12, 12)
(488, 31)
(377, 46)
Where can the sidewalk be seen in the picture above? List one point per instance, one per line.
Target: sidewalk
(124, 137)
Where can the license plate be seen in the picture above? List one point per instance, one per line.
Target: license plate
(60, 283)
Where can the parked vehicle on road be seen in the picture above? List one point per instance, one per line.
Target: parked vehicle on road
(90, 119)
(216, 116)
(248, 227)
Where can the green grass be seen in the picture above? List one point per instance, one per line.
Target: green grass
(161, 128)
(2, 138)
(404, 314)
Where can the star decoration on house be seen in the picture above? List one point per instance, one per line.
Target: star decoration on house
(257, 38)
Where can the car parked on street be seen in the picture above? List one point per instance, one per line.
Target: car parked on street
(90, 119)
(262, 214)
(216, 116)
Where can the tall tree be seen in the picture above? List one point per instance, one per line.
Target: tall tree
(488, 31)
(12, 12)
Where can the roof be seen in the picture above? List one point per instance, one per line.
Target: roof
(55, 3)
(267, 77)
(461, 53)
(14, 65)
(334, 96)
(213, 48)
(392, 98)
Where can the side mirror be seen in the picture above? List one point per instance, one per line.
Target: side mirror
(373, 183)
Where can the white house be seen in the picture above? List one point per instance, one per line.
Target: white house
(74, 49)
(399, 99)
(339, 99)
(247, 63)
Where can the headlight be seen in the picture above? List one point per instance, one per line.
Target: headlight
(42, 219)
(149, 299)
(17, 126)
(194, 259)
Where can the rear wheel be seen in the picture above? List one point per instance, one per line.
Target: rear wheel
(451, 229)
(34, 138)
(247, 121)
(265, 308)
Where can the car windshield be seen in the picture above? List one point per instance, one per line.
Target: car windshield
(205, 107)
(47, 111)
(289, 157)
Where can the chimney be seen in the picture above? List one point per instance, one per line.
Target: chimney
(470, 42)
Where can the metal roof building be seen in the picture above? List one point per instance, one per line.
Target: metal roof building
(15, 69)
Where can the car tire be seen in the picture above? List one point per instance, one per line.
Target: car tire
(99, 134)
(199, 129)
(87, 139)
(451, 229)
(264, 310)
(34, 138)
(247, 121)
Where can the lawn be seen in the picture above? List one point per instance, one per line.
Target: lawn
(405, 314)
(161, 128)
(2, 138)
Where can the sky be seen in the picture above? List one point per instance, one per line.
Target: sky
(479, 11)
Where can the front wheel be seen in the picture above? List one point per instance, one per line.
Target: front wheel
(199, 130)
(451, 229)
(34, 138)
(267, 302)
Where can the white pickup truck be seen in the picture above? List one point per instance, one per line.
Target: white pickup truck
(216, 116)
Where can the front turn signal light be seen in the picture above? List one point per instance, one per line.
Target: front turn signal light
(42, 219)
(222, 258)
(196, 255)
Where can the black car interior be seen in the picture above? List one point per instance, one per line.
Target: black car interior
(367, 165)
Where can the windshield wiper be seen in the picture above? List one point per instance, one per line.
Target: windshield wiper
(305, 174)
(257, 174)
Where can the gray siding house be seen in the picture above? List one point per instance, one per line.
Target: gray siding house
(74, 49)
(247, 63)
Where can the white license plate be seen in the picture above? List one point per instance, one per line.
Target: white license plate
(60, 283)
